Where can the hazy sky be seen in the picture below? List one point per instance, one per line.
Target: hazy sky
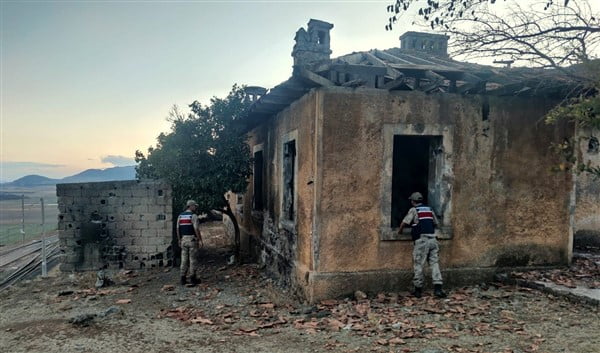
(86, 83)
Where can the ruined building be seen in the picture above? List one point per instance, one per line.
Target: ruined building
(340, 146)
(115, 225)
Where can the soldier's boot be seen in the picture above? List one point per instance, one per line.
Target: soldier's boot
(418, 292)
(438, 292)
(183, 280)
(194, 281)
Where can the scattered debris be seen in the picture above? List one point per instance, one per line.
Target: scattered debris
(82, 319)
(102, 280)
(231, 260)
(360, 295)
(111, 311)
(249, 305)
(168, 288)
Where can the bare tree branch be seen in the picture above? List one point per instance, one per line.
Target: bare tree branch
(542, 33)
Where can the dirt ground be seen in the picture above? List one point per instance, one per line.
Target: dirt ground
(238, 309)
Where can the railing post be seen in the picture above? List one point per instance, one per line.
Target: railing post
(23, 218)
(44, 268)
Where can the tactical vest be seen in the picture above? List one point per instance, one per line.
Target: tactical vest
(185, 224)
(425, 224)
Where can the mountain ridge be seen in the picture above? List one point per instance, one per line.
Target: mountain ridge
(86, 176)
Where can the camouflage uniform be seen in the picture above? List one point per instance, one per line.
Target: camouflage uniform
(426, 248)
(188, 233)
(189, 255)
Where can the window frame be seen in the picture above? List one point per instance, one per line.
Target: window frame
(284, 222)
(443, 177)
(256, 149)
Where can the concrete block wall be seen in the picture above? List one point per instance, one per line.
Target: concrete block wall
(587, 195)
(118, 224)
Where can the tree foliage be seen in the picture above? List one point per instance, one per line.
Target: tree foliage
(583, 110)
(205, 154)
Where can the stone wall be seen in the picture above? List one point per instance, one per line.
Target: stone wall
(587, 197)
(503, 207)
(282, 246)
(508, 209)
(120, 224)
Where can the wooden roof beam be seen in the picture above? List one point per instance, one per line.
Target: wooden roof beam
(399, 83)
(391, 58)
(311, 77)
(361, 70)
(378, 62)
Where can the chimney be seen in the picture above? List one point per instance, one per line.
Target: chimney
(312, 45)
(436, 44)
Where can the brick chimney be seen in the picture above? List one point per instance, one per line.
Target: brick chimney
(312, 45)
(436, 44)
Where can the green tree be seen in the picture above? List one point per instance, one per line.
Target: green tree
(562, 35)
(204, 156)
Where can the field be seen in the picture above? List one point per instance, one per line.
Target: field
(11, 213)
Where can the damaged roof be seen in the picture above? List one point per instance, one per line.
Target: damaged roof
(420, 64)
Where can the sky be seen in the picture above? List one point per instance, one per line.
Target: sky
(84, 84)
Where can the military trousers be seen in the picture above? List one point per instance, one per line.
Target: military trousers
(189, 255)
(426, 249)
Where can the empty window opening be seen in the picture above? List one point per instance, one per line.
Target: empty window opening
(258, 180)
(289, 165)
(416, 165)
(321, 37)
(593, 145)
(485, 109)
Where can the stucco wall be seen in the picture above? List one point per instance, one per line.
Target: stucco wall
(587, 210)
(284, 250)
(508, 208)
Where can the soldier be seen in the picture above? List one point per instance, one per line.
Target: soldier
(190, 240)
(423, 222)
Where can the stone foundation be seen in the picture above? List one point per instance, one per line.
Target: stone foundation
(277, 249)
(343, 284)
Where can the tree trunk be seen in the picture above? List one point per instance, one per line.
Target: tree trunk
(236, 228)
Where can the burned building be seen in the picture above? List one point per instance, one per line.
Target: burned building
(340, 146)
(115, 225)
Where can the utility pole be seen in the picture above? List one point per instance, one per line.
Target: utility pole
(23, 218)
(44, 268)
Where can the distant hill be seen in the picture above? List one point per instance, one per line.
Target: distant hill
(108, 174)
(90, 175)
(33, 180)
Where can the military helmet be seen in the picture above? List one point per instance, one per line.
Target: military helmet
(416, 196)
